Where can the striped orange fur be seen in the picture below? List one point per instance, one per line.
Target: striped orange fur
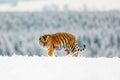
(59, 41)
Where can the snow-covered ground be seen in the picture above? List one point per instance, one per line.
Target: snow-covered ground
(59, 68)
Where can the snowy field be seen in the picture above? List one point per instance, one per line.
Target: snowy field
(59, 68)
(94, 23)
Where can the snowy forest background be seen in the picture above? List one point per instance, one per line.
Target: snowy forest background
(99, 30)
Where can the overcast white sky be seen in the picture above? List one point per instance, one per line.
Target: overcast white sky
(37, 5)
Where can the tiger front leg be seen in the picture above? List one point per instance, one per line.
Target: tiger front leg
(50, 51)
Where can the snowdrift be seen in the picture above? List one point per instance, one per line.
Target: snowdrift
(59, 68)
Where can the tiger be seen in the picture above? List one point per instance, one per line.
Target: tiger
(60, 40)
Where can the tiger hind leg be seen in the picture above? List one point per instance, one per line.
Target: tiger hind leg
(67, 51)
(75, 54)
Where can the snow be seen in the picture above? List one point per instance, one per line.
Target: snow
(59, 68)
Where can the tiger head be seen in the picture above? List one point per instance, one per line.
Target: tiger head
(44, 40)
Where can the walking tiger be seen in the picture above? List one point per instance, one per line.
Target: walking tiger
(60, 40)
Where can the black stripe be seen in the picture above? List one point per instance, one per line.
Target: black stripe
(59, 39)
(75, 47)
(66, 37)
(70, 41)
(56, 39)
(72, 47)
(62, 39)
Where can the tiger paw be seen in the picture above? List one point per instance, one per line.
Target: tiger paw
(75, 54)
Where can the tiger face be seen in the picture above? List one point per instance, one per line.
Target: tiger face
(44, 40)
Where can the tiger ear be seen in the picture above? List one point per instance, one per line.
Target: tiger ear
(47, 38)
